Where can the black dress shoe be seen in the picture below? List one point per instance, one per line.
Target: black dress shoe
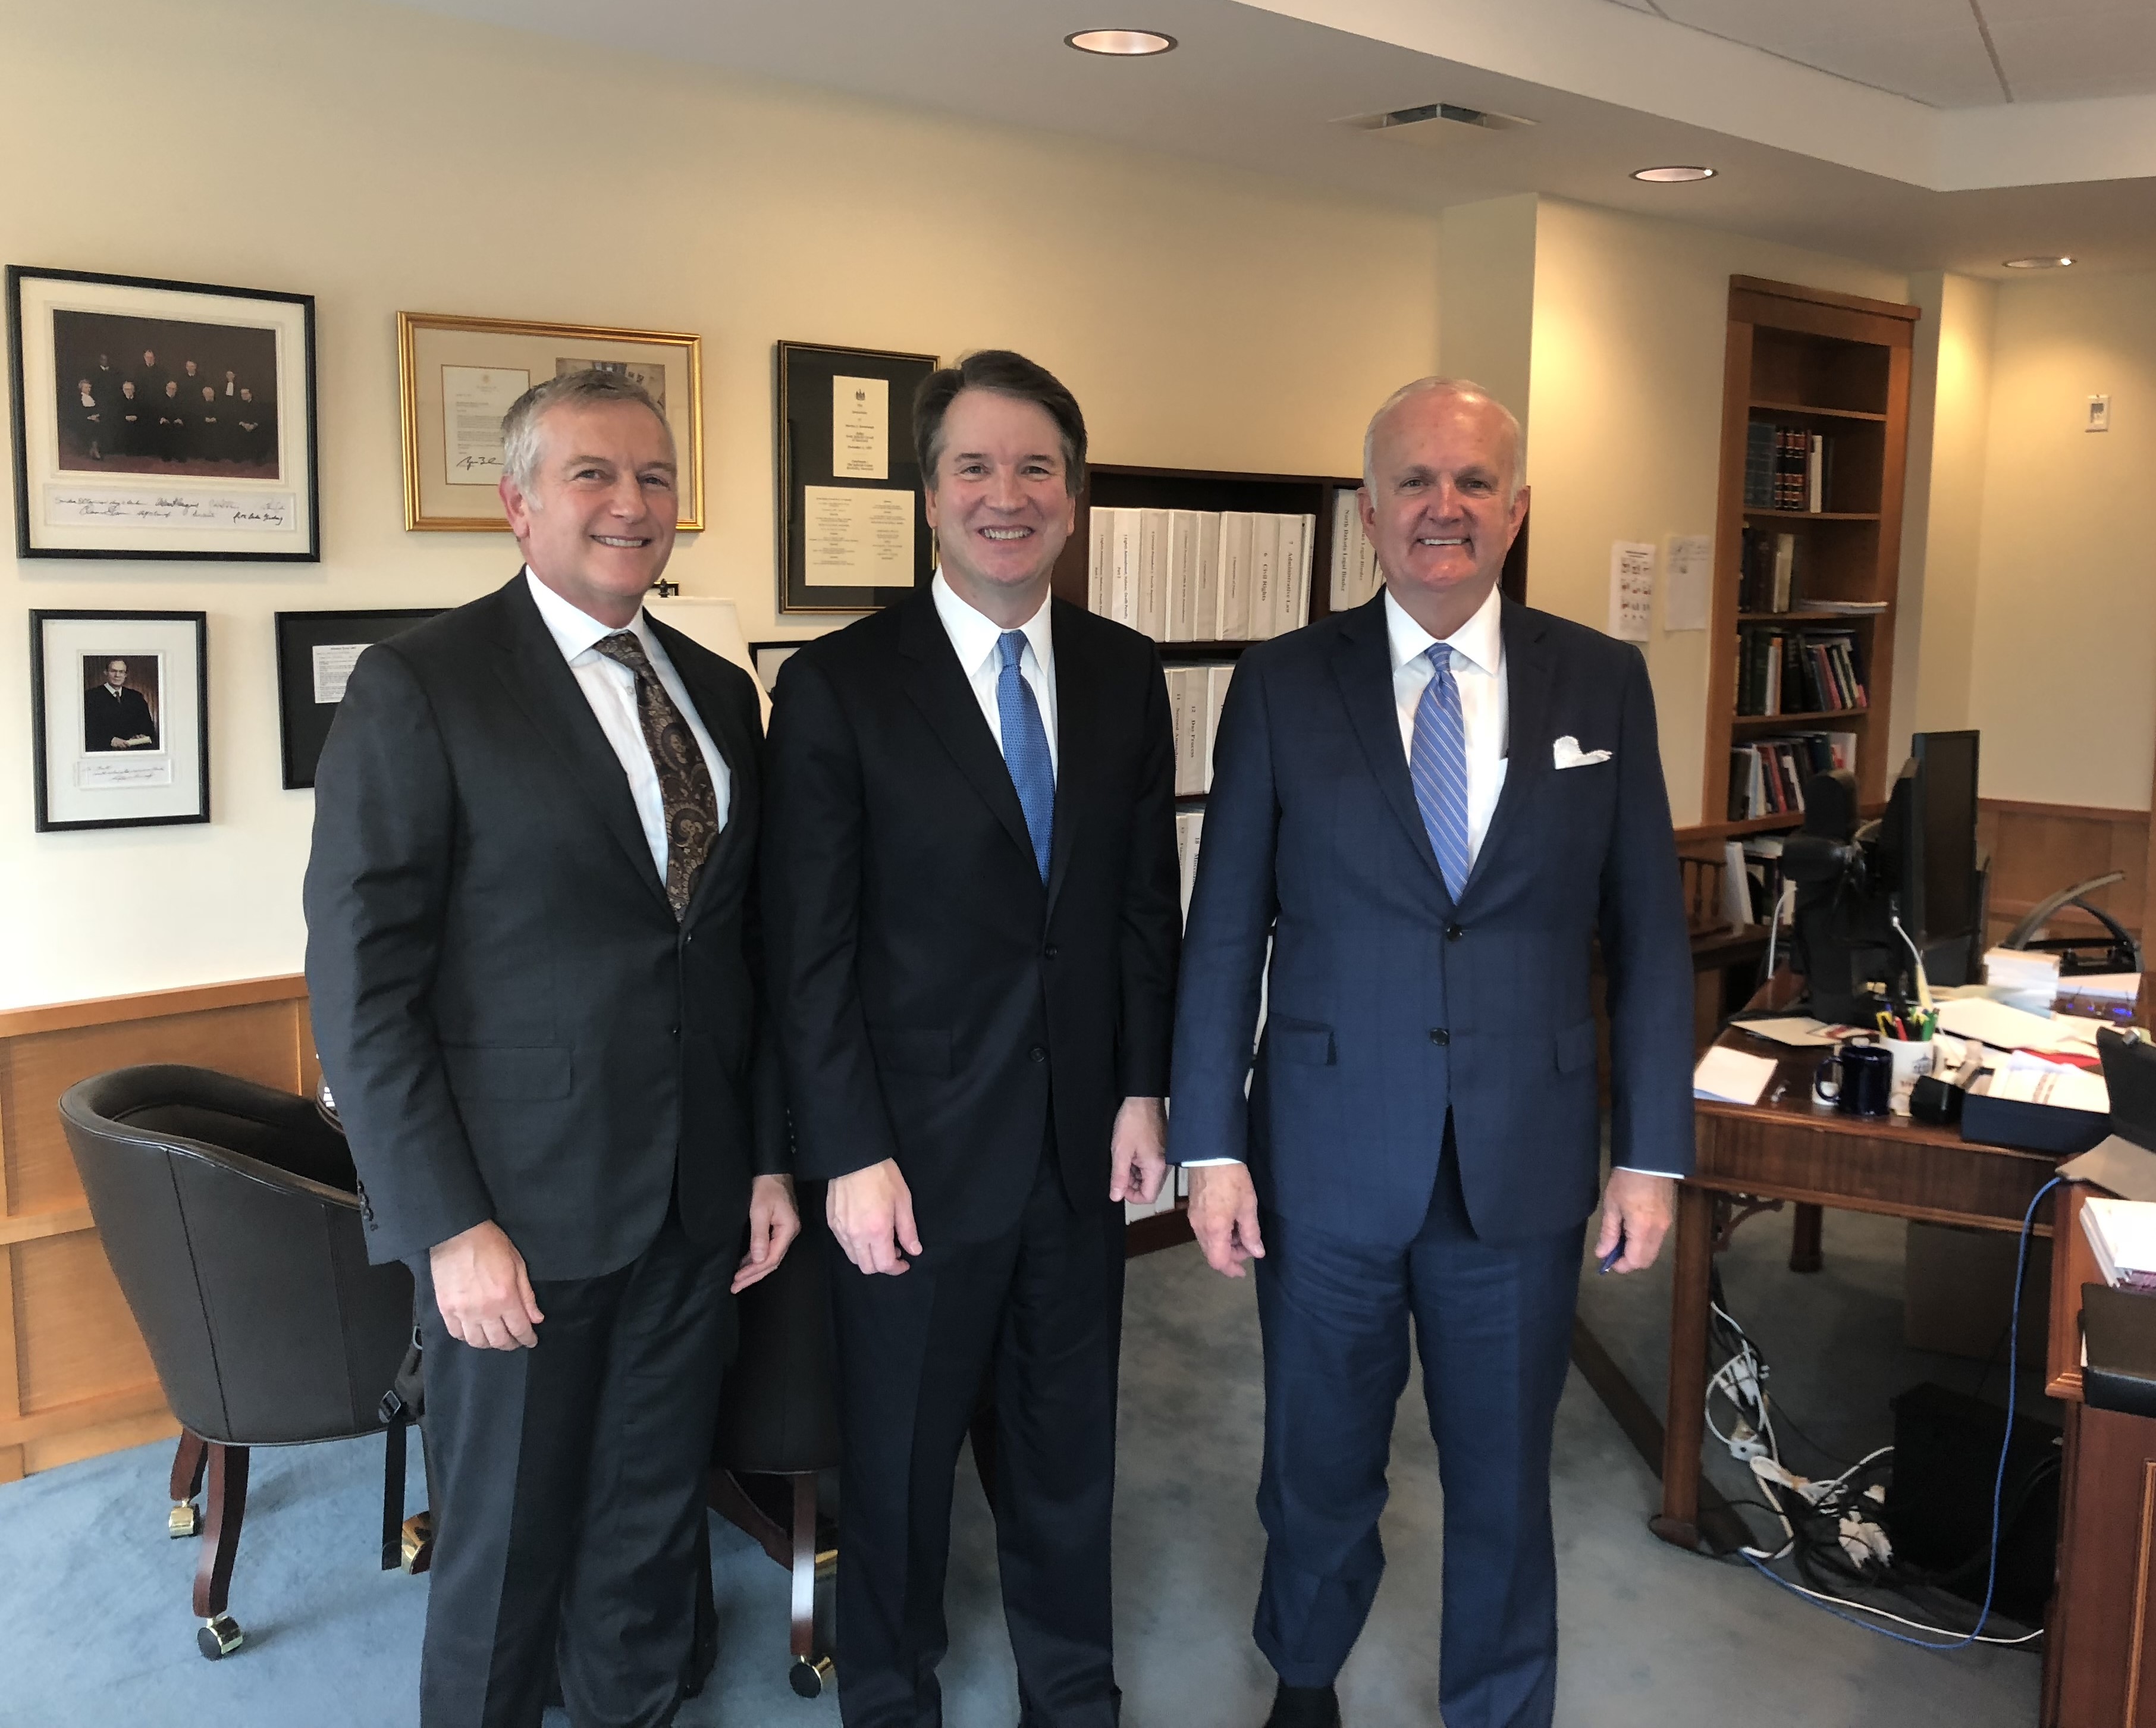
(1304, 1707)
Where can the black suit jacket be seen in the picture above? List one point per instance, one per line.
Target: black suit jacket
(935, 1000)
(106, 718)
(513, 1024)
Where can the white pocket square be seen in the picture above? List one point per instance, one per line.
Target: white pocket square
(1566, 753)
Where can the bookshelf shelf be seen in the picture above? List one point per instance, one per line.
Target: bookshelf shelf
(1837, 365)
(1799, 408)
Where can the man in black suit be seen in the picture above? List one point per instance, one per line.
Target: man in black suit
(536, 984)
(115, 716)
(129, 438)
(971, 887)
(172, 410)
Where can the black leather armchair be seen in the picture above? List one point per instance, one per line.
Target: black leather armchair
(778, 1427)
(231, 1217)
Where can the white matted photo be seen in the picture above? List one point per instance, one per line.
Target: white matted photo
(158, 420)
(120, 713)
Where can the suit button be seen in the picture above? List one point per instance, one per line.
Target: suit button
(1453, 933)
(1049, 952)
(1037, 1054)
(688, 936)
(1438, 1034)
(673, 1031)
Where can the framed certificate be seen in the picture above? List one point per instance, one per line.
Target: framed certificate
(119, 714)
(851, 533)
(315, 653)
(160, 420)
(457, 377)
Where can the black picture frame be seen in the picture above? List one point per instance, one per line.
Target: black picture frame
(303, 722)
(220, 489)
(802, 375)
(65, 804)
(768, 657)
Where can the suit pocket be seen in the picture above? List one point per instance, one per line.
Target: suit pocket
(1300, 1041)
(1575, 1048)
(911, 1050)
(501, 1071)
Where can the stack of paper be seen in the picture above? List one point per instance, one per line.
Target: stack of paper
(2022, 978)
(1729, 1077)
(2004, 1026)
(2122, 1232)
(2031, 1080)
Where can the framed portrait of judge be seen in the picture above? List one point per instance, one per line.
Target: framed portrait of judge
(457, 377)
(316, 654)
(120, 717)
(162, 419)
(852, 536)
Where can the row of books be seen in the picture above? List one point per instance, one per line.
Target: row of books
(1767, 571)
(1785, 467)
(1194, 696)
(1767, 776)
(1201, 575)
(1784, 671)
(1356, 577)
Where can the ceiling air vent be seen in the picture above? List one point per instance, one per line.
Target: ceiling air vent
(1429, 113)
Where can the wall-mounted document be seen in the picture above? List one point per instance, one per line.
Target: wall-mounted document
(858, 537)
(1631, 590)
(1690, 568)
(860, 428)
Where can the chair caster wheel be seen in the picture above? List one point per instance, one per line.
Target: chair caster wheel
(808, 1677)
(218, 1637)
(182, 1521)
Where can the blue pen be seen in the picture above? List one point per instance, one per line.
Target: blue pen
(1616, 1253)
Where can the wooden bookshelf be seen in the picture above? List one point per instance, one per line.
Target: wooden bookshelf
(1839, 364)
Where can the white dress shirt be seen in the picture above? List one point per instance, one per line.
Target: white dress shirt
(977, 640)
(1478, 669)
(610, 688)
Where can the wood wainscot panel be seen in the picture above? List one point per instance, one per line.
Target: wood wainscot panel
(2037, 849)
(75, 1378)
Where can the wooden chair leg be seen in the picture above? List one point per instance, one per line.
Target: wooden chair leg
(187, 1464)
(810, 1668)
(219, 1634)
(1804, 1239)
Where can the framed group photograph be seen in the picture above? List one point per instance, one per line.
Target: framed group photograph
(458, 377)
(852, 535)
(160, 420)
(120, 716)
(316, 654)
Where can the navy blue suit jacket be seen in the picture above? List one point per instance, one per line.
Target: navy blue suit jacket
(1388, 1004)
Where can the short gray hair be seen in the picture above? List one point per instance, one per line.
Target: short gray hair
(1449, 387)
(519, 426)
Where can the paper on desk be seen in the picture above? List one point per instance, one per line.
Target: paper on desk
(2103, 986)
(2031, 1080)
(2005, 1028)
(1794, 1028)
(2116, 1164)
(1730, 1077)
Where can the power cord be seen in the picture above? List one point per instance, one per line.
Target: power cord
(1817, 1497)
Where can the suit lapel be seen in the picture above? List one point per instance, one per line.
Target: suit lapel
(735, 748)
(540, 682)
(1078, 720)
(1528, 672)
(936, 685)
(1362, 668)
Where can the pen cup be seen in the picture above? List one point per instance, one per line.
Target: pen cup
(1913, 1059)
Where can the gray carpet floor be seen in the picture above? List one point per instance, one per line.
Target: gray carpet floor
(96, 1630)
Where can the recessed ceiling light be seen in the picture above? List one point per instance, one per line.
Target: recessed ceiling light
(2038, 263)
(1672, 176)
(1119, 42)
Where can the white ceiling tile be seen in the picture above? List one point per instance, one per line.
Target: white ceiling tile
(2061, 59)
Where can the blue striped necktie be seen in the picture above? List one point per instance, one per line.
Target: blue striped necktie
(1025, 750)
(1438, 764)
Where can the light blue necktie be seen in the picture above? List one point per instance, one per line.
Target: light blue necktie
(1025, 750)
(1438, 764)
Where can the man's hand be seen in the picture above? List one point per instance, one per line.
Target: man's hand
(773, 1222)
(1224, 1216)
(1138, 1150)
(871, 1213)
(1639, 1207)
(481, 1288)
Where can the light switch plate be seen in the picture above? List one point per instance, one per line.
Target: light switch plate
(2099, 414)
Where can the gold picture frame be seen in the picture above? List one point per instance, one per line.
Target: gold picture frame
(455, 375)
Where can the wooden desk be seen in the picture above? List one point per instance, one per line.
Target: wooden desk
(2098, 1656)
(1791, 1149)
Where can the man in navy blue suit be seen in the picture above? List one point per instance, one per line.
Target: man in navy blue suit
(1431, 807)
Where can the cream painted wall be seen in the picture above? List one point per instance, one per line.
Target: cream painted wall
(1486, 302)
(2062, 666)
(1626, 407)
(383, 160)
(1949, 428)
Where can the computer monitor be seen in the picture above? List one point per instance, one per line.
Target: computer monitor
(1943, 896)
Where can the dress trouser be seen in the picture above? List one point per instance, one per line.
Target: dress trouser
(1493, 1325)
(568, 1495)
(1037, 1313)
